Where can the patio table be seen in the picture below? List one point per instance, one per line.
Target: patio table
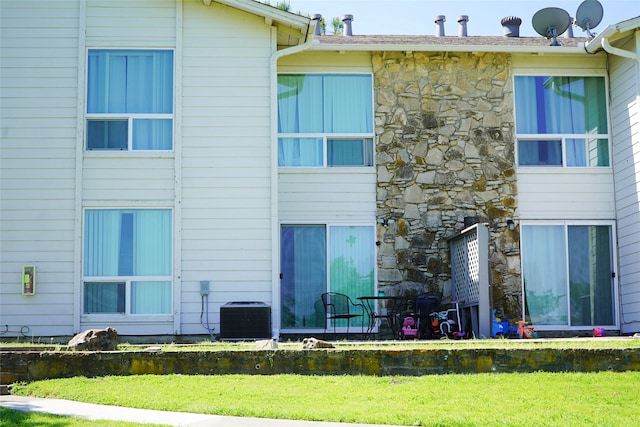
(392, 310)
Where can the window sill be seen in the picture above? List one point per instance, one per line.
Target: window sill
(604, 170)
(119, 154)
(327, 170)
(117, 318)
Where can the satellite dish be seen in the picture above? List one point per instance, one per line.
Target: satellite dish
(550, 22)
(589, 15)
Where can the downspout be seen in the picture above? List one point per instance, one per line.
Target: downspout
(276, 308)
(606, 46)
(616, 51)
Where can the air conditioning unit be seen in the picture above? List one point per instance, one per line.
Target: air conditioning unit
(242, 320)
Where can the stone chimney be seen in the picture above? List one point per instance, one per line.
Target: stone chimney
(462, 30)
(440, 20)
(511, 25)
(346, 28)
(317, 17)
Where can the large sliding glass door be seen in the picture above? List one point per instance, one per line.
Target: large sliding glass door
(321, 258)
(567, 271)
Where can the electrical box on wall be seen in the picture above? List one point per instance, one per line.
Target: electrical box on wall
(204, 287)
(28, 280)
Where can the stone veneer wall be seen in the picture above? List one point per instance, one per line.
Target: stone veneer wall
(445, 151)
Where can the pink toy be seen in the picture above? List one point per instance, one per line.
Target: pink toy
(408, 328)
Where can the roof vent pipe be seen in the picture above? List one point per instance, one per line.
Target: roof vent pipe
(569, 33)
(346, 28)
(440, 20)
(511, 25)
(462, 30)
(318, 18)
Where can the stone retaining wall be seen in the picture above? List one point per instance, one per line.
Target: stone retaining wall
(33, 366)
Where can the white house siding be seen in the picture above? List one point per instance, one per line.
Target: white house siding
(125, 177)
(327, 194)
(564, 193)
(625, 116)
(38, 85)
(226, 163)
(126, 23)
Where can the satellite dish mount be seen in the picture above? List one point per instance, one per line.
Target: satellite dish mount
(550, 22)
(589, 15)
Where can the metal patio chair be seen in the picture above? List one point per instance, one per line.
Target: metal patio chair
(339, 306)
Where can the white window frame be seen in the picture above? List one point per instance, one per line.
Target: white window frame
(327, 136)
(614, 265)
(330, 136)
(127, 280)
(562, 137)
(328, 225)
(127, 116)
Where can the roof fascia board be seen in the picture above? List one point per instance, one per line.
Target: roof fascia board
(266, 11)
(612, 31)
(455, 48)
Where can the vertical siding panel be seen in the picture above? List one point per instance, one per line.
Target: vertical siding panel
(226, 202)
(330, 194)
(129, 179)
(625, 99)
(39, 43)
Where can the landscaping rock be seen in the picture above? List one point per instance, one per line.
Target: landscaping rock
(266, 344)
(313, 343)
(94, 340)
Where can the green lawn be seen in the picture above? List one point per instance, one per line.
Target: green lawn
(537, 399)
(12, 418)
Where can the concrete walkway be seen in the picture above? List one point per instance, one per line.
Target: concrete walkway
(104, 412)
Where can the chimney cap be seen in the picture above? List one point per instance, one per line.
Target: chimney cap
(463, 18)
(511, 20)
(511, 26)
(316, 16)
(440, 18)
(346, 29)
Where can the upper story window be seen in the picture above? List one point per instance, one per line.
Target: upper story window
(561, 121)
(325, 120)
(129, 100)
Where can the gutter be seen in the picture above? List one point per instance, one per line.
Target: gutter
(601, 41)
(580, 49)
(276, 307)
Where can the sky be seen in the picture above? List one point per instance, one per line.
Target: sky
(416, 17)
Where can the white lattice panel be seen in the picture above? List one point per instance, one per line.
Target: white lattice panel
(473, 278)
(465, 266)
(470, 277)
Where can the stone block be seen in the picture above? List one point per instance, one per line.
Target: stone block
(94, 340)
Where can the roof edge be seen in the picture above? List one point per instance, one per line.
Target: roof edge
(595, 44)
(579, 49)
(266, 11)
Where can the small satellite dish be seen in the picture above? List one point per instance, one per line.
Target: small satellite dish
(589, 15)
(550, 22)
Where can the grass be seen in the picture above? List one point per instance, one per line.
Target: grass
(13, 418)
(537, 399)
